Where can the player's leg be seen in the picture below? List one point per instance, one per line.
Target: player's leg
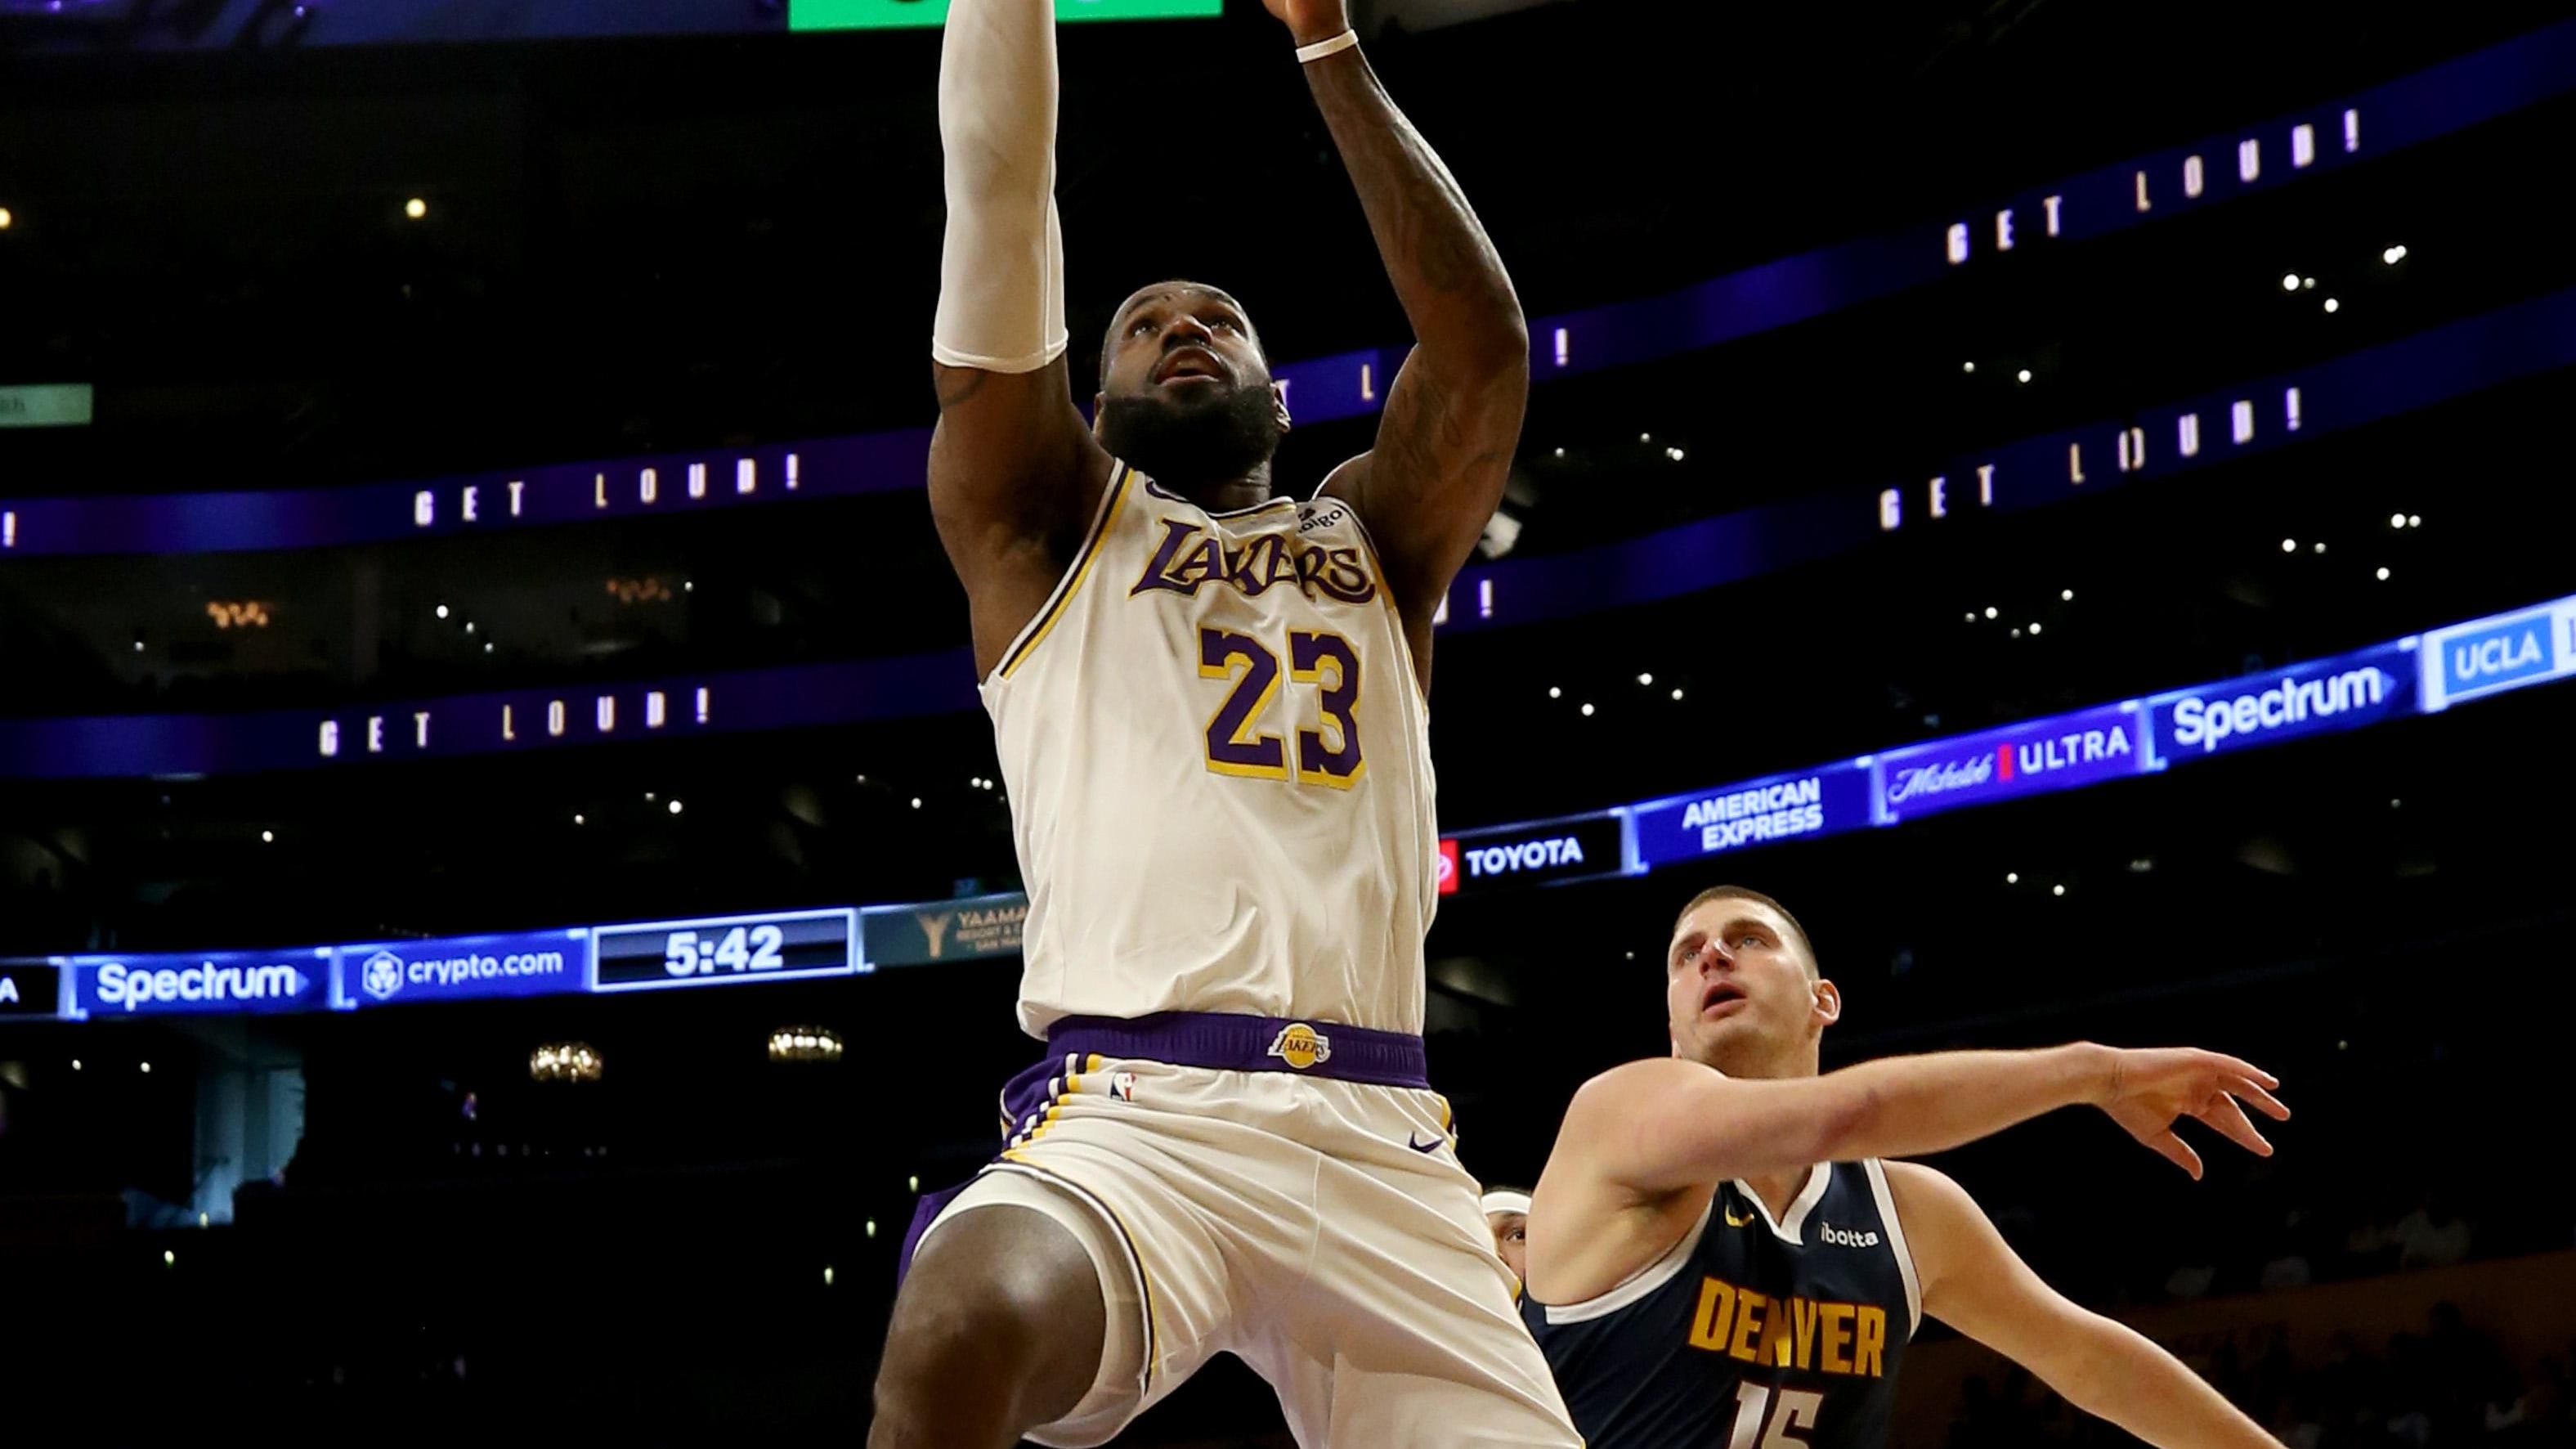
(998, 1328)
(1408, 1304)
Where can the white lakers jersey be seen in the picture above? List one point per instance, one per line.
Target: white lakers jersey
(1219, 767)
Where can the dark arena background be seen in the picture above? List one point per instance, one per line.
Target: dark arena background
(505, 891)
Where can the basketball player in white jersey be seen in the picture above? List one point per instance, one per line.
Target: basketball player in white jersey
(1717, 1256)
(1209, 699)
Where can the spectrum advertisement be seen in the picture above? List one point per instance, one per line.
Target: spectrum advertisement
(2420, 674)
(201, 983)
(2260, 709)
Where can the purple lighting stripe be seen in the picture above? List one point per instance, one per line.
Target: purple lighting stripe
(660, 483)
(2435, 102)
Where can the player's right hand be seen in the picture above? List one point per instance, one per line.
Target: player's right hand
(2153, 1089)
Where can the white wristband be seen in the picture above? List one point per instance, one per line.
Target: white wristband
(1309, 54)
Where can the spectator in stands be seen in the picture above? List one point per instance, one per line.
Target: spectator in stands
(2432, 1236)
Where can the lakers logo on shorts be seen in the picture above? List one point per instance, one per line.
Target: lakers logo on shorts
(1301, 1046)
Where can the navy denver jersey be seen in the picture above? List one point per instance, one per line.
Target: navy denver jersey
(1749, 1331)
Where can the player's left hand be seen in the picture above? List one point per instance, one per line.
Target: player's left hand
(1312, 20)
(2152, 1090)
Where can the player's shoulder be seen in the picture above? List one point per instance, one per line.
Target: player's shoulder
(1913, 1179)
(1620, 1093)
(1933, 1210)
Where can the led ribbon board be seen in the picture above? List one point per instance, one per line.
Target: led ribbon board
(2415, 675)
(2432, 367)
(2179, 180)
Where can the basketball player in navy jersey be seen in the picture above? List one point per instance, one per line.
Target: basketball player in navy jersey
(1717, 1255)
(1208, 699)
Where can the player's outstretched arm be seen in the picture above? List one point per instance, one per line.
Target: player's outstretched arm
(1974, 1281)
(1453, 413)
(1014, 473)
(1657, 1127)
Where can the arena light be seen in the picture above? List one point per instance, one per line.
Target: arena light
(916, 802)
(569, 1061)
(6, 220)
(2383, 576)
(1677, 694)
(577, 820)
(442, 611)
(2289, 545)
(805, 1044)
(1645, 679)
(169, 1259)
(2321, 548)
(1967, 367)
(2397, 520)
(2012, 877)
(2034, 628)
(1990, 611)
(2057, 890)
(2414, 520)
(268, 837)
(2025, 374)
(1587, 711)
(2290, 282)
(2333, 306)
(2066, 594)
(913, 1183)
(2393, 255)
(1553, 692)
(675, 807)
(415, 208)
(827, 1269)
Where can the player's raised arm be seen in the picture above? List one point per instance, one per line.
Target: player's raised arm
(1014, 473)
(1975, 1282)
(1453, 413)
(1656, 1127)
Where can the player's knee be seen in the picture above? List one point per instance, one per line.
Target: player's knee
(999, 1316)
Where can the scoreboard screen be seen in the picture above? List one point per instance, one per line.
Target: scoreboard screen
(725, 949)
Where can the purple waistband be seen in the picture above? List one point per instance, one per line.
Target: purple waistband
(1224, 1042)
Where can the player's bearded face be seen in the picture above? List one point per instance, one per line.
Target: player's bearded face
(1207, 432)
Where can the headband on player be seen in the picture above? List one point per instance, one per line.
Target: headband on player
(1506, 1202)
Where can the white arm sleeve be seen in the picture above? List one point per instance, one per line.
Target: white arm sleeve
(1001, 272)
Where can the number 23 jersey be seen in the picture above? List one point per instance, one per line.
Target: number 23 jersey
(1218, 761)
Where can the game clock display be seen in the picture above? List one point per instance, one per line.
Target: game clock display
(725, 949)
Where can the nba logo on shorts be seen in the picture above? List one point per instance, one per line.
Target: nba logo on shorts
(1301, 1047)
(1122, 1085)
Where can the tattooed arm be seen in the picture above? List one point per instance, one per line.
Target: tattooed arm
(1453, 413)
